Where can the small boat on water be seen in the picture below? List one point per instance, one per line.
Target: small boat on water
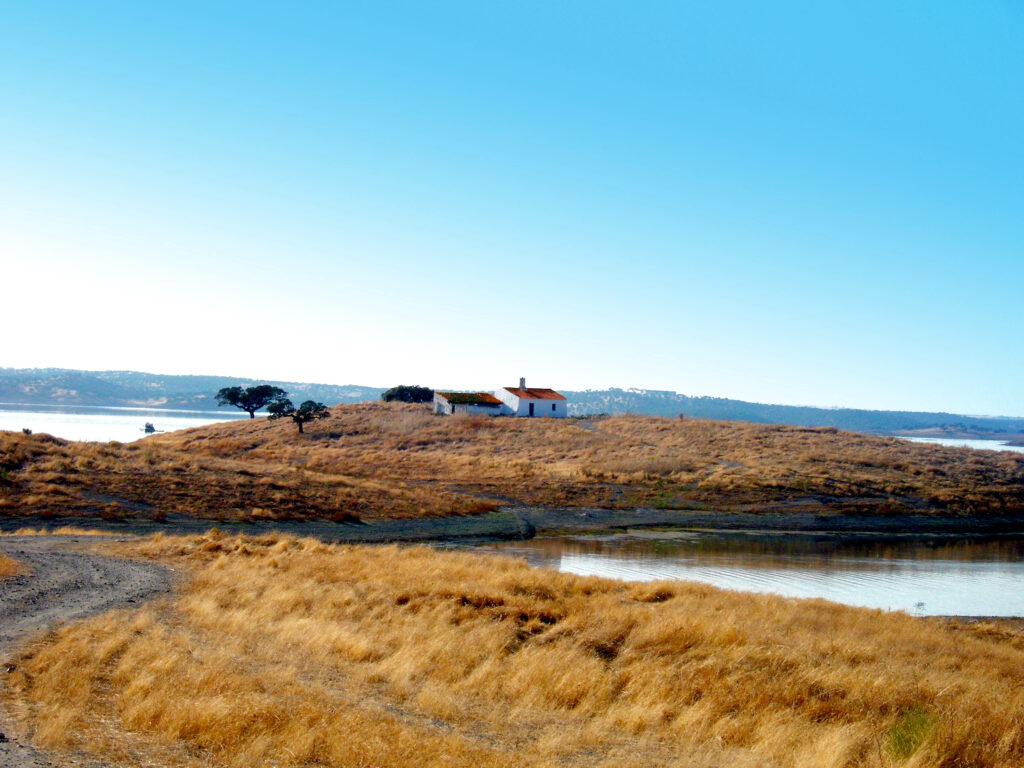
(150, 429)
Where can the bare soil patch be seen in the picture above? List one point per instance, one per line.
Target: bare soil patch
(60, 585)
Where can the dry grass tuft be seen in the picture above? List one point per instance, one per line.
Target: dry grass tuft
(9, 567)
(61, 530)
(291, 652)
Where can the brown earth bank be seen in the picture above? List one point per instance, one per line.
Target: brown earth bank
(289, 652)
(371, 463)
(521, 523)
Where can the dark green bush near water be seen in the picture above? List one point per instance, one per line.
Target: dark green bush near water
(249, 399)
(408, 394)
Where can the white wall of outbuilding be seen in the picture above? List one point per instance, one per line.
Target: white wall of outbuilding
(520, 406)
(446, 408)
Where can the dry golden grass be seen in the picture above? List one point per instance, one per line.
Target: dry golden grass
(393, 460)
(60, 530)
(9, 567)
(293, 653)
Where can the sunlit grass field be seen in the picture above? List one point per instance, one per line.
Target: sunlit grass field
(379, 460)
(288, 652)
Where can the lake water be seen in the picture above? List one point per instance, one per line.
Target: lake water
(104, 424)
(953, 442)
(934, 577)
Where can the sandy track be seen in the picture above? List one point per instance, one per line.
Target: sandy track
(63, 585)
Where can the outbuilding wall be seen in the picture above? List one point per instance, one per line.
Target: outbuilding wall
(446, 408)
(477, 408)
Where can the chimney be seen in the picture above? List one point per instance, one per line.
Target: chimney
(522, 382)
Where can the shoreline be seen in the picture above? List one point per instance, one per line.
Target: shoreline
(471, 537)
(524, 522)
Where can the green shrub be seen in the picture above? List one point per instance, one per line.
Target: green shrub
(909, 731)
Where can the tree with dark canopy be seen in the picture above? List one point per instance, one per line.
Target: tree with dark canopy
(250, 399)
(309, 411)
(407, 394)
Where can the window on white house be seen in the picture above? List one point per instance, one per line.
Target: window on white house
(552, 406)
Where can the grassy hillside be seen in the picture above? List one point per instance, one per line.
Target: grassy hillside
(377, 460)
(288, 652)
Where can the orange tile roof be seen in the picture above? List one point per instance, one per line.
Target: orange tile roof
(534, 394)
(476, 398)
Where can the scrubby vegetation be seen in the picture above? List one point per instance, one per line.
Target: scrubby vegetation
(396, 460)
(289, 652)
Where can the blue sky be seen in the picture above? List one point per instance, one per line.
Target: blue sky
(786, 202)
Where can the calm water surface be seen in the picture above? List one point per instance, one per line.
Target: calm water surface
(104, 424)
(954, 442)
(935, 577)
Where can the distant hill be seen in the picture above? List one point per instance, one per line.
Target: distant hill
(667, 403)
(62, 386)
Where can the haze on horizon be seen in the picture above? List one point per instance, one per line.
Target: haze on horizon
(793, 203)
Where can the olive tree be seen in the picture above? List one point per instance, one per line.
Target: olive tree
(308, 411)
(249, 399)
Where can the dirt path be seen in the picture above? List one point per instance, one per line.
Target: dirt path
(63, 585)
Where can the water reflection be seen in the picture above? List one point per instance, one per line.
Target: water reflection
(979, 445)
(103, 424)
(932, 577)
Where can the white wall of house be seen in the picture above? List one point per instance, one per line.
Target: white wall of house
(520, 406)
(554, 409)
(510, 403)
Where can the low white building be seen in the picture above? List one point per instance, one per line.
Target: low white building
(530, 401)
(448, 403)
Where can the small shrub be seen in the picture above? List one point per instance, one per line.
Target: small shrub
(111, 512)
(9, 567)
(471, 422)
(908, 732)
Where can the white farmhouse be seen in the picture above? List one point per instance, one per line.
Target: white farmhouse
(448, 403)
(523, 401)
